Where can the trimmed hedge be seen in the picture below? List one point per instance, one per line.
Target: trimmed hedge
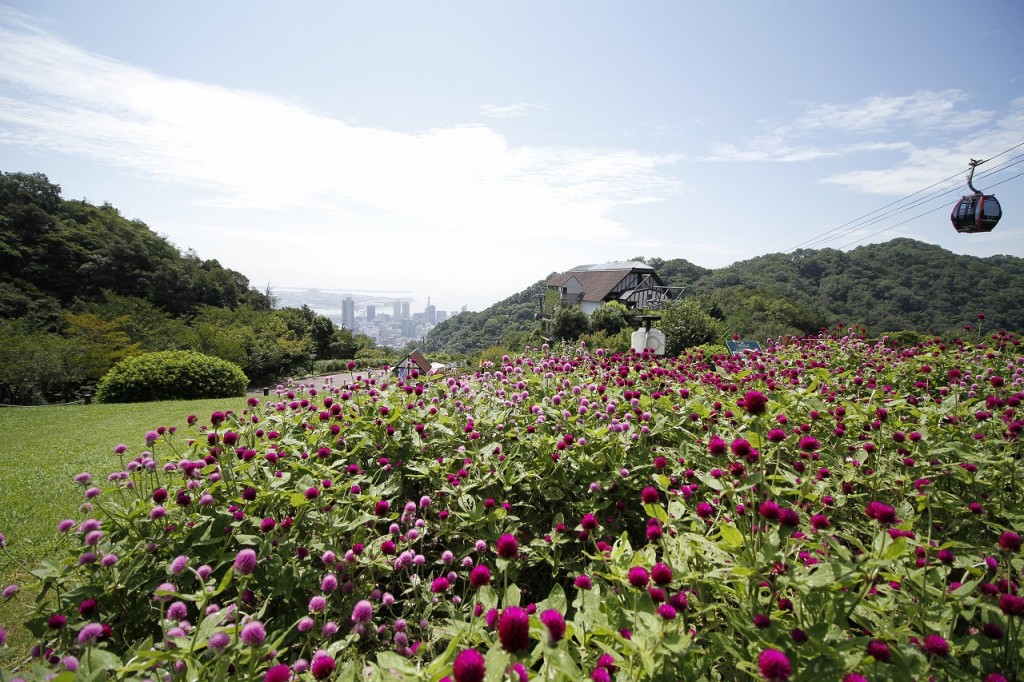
(171, 375)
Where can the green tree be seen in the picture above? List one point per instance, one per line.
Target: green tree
(611, 318)
(686, 324)
(569, 322)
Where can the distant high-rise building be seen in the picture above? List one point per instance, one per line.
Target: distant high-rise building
(442, 315)
(431, 312)
(371, 313)
(398, 311)
(348, 313)
(405, 310)
(463, 308)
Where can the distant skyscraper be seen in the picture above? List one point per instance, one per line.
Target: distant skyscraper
(398, 311)
(371, 313)
(442, 315)
(405, 310)
(348, 313)
(431, 312)
(463, 308)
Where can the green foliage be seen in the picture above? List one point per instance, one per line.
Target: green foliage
(686, 324)
(568, 323)
(611, 318)
(470, 332)
(170, 375)
(666, 534)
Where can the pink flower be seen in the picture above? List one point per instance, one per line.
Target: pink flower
(1009, 541)
(507, 546)
(469, 666)
(638, 576)
(774, 665)
(322, 666)
(936, 645)
(279, 673)
(555, 623)
(514, 629)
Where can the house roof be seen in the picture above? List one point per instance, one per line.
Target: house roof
(599, 280)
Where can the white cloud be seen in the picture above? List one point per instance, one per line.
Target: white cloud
(516, 110)
(925, 109)
(248, 150)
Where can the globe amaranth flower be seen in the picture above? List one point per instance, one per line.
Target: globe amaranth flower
(479, 576)
(936, 645)
(755, 402)
(774, 665)
(219, 641)
(362, 612)
(514, 629)
(469, 666)
(90, 633)
(179, 564)
(1009, 541)
(638, 576)
(555, 623)
(278, 673)
(322, 667)
(661, 573)
(245, 562)
(507, 546)
(253, 633)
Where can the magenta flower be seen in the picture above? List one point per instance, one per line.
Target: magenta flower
(589, 521)
(755, 402)
(514, 629)
(661, 573)
(469, 666)
(322, 667)
(650, 495)
(881, 512)
(245, 562)
(179, 564)
(583, 582)
(362, 612)
(89, 634)
(440, 585)
(555, 623)
(1009, 541)
(278, 673)
(774, 665)
(936, 645)
(253, 633)
(638, 576)
(218, 641)
(479, 576)
(507, 546)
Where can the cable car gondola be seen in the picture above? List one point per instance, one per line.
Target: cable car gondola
(975, 212)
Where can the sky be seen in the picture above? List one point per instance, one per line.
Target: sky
(464, 150)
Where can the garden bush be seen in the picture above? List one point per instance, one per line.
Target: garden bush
(830, 509)
(170, 375)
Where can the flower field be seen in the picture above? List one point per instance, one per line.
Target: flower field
(831, 509)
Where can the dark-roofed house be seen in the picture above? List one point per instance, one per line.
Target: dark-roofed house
(635, 284)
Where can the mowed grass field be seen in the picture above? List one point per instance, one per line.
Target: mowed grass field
(41, 451)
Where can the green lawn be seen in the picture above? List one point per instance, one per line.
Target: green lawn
(41, 450)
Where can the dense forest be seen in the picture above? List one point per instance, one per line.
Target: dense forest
(900, 285)
(82, 287)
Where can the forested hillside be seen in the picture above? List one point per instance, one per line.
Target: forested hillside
(82, 287)
(901, 285)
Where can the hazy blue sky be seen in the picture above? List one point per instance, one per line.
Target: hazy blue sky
(464, 150)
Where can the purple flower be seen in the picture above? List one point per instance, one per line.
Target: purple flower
(514, 629)
(317, 604)
(329, 583)
(65, 525)
(253, 633)
(638, 576)
(583, 582)
(667, 611)
(10, 591)
(89, 633)
(279, 673)
(179, 564)
(439, 585)
(555, 623)
(218, 641)
(469, 666)
(245, 562)
(322, 667)
(507, 546)
(479, 576)
(1009, 541)
(755, 402)
(774, 665)
(936, 645)
(362, 612)
(661, 573)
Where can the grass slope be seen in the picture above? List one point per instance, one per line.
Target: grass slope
(41, 451)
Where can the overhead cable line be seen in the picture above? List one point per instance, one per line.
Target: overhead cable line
(856, 223)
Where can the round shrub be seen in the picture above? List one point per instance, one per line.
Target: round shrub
(171, 375)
